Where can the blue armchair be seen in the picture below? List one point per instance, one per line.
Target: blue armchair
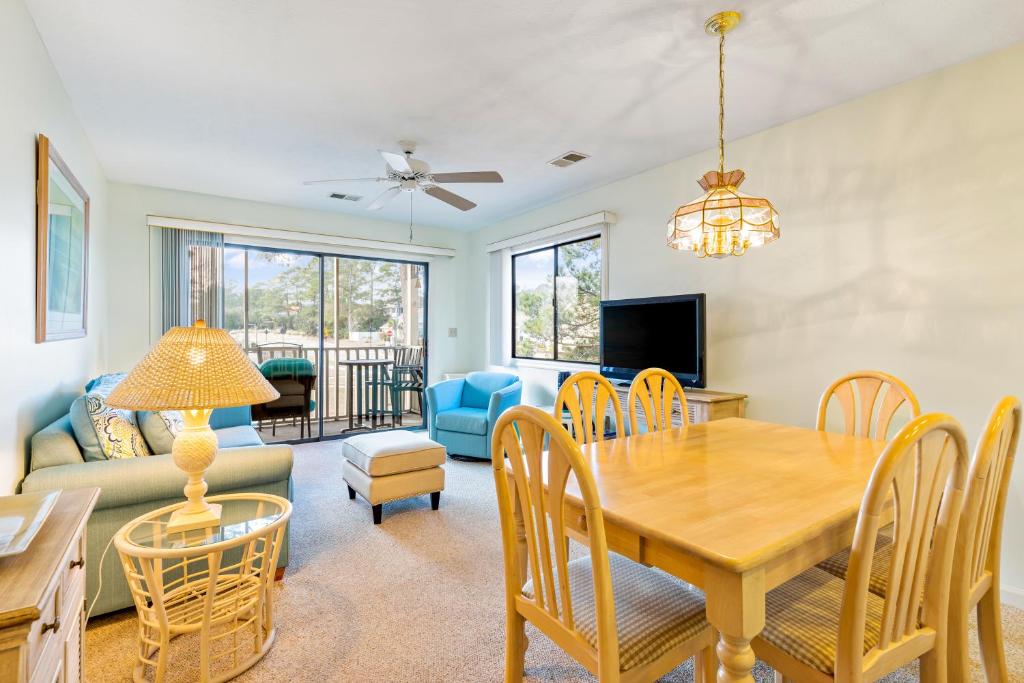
(462, 412)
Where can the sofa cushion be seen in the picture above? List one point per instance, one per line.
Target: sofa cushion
(103, 432)
(238, 437)
(287, 368)
(387, 453)
(130, 481)
(465, 420)
(55, 445)
(159, 428)
(478, 387)
(230, 417)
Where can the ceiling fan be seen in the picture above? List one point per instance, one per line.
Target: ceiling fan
(408, 175)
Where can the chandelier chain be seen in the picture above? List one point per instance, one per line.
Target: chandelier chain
(721, 102)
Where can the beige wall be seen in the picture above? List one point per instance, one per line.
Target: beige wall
(128, 245)
(902, 248)
(39, 380)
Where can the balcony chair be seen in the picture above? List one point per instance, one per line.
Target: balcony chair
(294, 379)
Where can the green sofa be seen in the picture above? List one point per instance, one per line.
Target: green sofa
(133, 486)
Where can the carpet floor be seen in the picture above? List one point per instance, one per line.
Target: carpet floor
(418, 598)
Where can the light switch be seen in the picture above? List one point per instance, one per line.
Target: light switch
(453, 332)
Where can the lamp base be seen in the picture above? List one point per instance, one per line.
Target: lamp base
(182, 520)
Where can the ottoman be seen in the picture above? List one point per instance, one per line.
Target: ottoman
(386, 466)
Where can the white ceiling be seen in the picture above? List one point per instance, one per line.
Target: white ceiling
(247, 98)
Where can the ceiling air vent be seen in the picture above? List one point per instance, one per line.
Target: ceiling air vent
(346, 197)
(568, 159)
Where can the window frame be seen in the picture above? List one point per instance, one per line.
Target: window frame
(554, 247)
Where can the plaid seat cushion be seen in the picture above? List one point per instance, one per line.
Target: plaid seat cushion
(802, 619)
(654, 612)
(879, 581)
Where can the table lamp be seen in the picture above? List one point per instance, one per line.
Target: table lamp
(193, 370)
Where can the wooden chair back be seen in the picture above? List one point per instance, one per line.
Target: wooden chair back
(539, 494)
(920, 477)
(656, 390)
(858, 393)
(979, 538)
(585, 397)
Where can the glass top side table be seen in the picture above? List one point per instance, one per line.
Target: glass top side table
(216, 581)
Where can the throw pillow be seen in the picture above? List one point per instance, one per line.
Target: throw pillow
(103, 432)
(160, 428)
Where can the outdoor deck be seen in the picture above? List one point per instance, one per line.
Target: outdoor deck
(286, 431)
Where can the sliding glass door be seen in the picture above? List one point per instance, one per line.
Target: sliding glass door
(357, 325)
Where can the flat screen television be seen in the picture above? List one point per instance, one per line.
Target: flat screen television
(655, 332)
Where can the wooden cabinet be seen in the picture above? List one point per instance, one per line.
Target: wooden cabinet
(42, 604)
(702, 405)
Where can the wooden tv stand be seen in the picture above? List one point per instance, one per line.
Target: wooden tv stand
(702, 405)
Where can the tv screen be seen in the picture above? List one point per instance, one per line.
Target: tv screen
(657, 332)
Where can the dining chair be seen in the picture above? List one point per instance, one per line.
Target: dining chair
(821, 628)
(619, 619)
(858, 393)
(584, 398)
(976, 574)
(656, 390)
(979, 543)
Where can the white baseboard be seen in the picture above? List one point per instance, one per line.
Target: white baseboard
(1013, 596)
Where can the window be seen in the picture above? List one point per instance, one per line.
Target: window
(556, 296)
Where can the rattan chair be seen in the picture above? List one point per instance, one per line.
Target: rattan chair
(821, 628)
(657, 391)
(858, 393)
(621, 620)
(584, 398)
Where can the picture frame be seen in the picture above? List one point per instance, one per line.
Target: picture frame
(62, 248)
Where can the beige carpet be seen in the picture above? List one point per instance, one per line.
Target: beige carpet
(418, 598)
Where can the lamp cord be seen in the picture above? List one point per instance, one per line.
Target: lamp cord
(721, 102)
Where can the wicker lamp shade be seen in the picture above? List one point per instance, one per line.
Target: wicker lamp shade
(193, 368)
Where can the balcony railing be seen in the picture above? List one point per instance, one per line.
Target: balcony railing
(334, 404)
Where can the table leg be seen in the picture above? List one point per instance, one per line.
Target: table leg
(360, 387)
(374, 396)
(736, 609)
(348, 397)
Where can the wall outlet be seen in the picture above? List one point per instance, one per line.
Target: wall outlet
(453, 332)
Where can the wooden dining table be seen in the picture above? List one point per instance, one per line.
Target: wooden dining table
(734, 506)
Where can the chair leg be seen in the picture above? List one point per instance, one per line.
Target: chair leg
(706, 665)
(933, 662)
(378, 511)
(435, 500)
(990, 635)
(957, 650)
(351, 493)
(515, 647)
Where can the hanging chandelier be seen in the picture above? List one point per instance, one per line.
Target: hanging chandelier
(724, 221)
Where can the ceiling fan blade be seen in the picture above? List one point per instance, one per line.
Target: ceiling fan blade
(468, 177)
(447, 197)
(383, 198)
(396, 161)
(340, 180)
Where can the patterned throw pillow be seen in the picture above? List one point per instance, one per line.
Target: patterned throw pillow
(103, 432)
(160, 428)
